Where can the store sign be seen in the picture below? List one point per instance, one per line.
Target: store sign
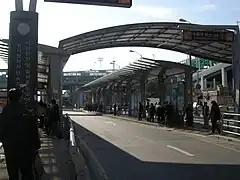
(114, 3)
(23, 54)
(208, 35)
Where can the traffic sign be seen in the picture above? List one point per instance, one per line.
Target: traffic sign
(198, 86)
(114, 3)
(208, 35)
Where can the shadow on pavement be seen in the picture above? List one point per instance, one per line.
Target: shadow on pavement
(56, 158)
(119, 165)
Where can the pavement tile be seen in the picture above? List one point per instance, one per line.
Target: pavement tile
(55, 158)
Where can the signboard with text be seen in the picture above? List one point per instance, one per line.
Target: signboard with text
(114, 3)
(23, 42)
(208, 35)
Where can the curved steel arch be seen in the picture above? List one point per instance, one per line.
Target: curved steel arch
(162, 35)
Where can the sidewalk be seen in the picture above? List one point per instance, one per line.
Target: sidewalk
(55, 159)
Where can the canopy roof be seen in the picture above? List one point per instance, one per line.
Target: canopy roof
(164, 35)
(150, 67)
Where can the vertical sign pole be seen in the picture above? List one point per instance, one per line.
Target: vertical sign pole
(19, 5)
(23, 44)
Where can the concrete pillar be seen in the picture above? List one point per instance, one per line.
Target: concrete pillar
(214, 83)
(202, 82)
(205, 83)
(224, 77)
(109, 96)
(161, 85)
(56, 66)
(118, 94)
(188, 85)
(129, 97)
(236, 70)
(143, 93)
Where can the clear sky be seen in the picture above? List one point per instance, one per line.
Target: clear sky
(58, 21)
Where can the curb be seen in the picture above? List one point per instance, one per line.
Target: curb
(230, 139)
(78, 160)
(92, 161)
(76, 114)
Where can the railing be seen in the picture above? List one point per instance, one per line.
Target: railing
(76, 154)
(231, 124)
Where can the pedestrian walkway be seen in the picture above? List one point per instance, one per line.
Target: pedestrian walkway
(55, 159)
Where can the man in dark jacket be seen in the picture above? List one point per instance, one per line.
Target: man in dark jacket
(54, 117)
(215, 116)
(20, 138)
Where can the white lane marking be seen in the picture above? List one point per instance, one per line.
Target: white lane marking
(109, 122)
(180, 150)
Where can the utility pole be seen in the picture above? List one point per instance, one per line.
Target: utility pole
(100, 59)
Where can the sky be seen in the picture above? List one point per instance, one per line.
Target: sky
(58, 21)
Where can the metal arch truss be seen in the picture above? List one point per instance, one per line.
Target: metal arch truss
(141, 66)
(4, 51)
(164, 35)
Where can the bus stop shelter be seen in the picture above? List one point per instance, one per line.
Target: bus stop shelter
(127, 86)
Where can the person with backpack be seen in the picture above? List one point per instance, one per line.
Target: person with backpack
(19, 136)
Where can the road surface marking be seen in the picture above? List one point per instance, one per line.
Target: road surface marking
(180, 150)
(109, 122)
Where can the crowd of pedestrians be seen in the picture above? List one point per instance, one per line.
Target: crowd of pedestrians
(165, 114)
(20, 136)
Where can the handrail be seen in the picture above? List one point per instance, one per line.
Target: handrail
(232, 125)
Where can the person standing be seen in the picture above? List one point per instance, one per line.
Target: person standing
(205, 113)
(115, 109)
(215, 115)
(19, 136)
(140, 111)
(54, 117)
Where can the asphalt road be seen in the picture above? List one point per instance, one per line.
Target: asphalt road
(132, 151)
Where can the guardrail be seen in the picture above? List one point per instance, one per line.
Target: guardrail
(230, 123)
(77, 157)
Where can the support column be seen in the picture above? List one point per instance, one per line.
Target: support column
(98, 96)
(214, 83)
(202, 82)
(188, 87)
(236, 70)
(205, 83)
(161, 85)
(129, 97)
(224, 77)
(143, 93)
(56, 66)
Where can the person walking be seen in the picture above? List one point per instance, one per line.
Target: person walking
(19, 136)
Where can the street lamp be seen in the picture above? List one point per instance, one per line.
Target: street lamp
(136, 52)
(114, 63)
